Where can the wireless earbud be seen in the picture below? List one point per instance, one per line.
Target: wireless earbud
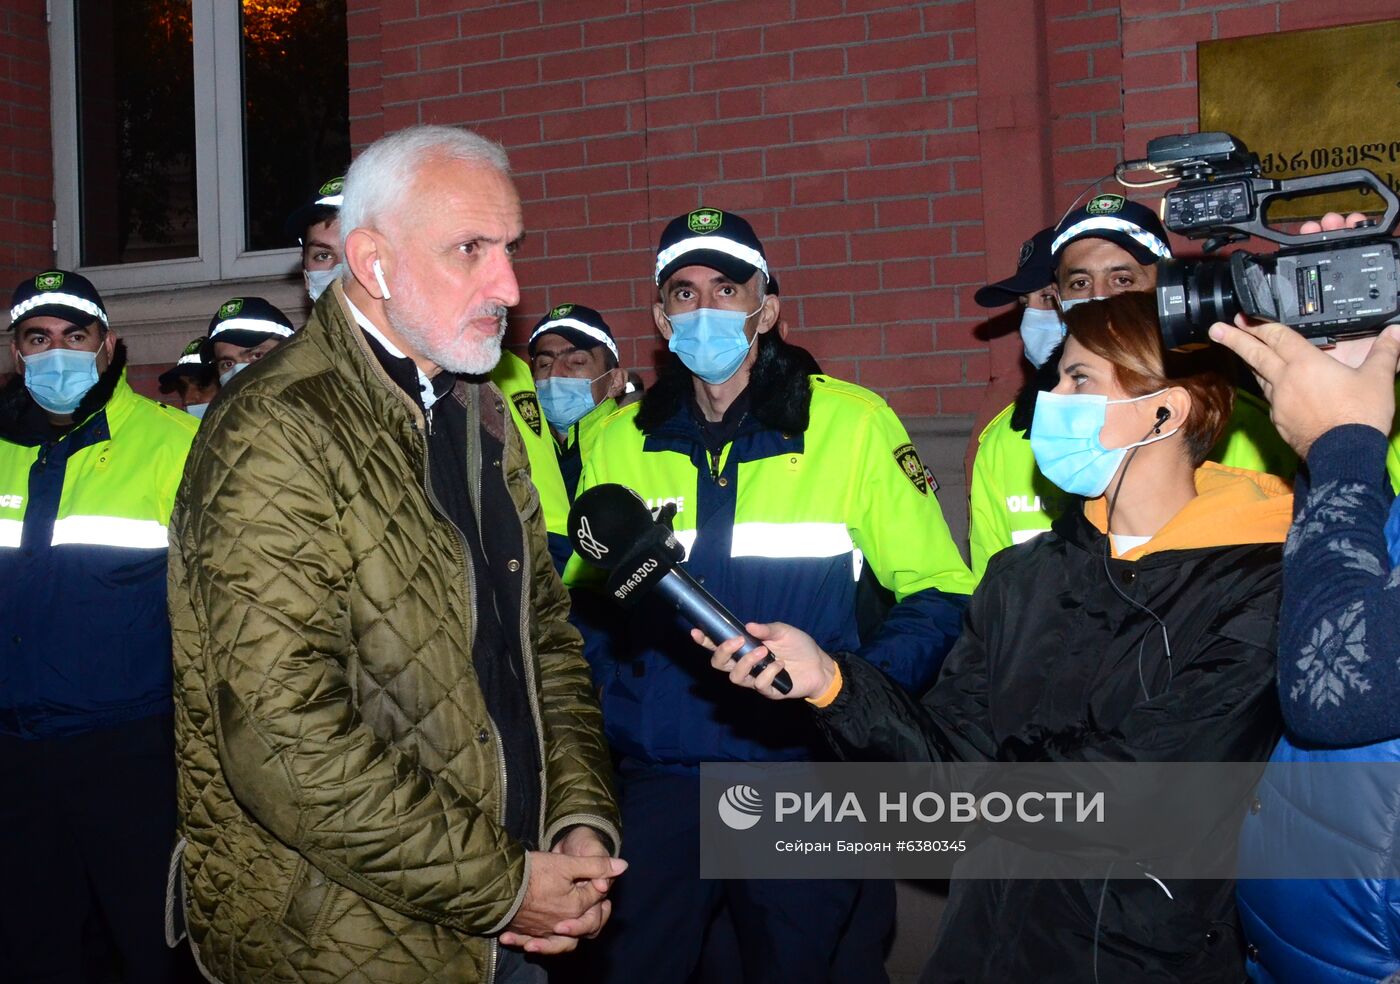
(379, 279)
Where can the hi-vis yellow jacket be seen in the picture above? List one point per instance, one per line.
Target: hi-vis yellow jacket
(83, 544)
(513, 378)
(778, 527)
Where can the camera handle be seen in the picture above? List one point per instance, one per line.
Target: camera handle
(1268, 191)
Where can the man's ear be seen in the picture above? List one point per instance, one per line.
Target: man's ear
(362, 248)
(768, 314)
(617, 382)
(663, 323)
(110, 344)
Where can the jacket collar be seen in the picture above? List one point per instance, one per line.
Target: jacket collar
(1232, 507)
(782, 392)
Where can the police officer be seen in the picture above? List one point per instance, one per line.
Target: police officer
(191, 379)
(785, 484)
(1108, 246)
(88, 473)
(242, 331)
(316, 227)
(513, 378)
(578, 378)
(1009, 500)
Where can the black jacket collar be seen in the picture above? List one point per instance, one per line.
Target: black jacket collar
(780, 391)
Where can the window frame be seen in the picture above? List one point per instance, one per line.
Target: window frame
(219, 159)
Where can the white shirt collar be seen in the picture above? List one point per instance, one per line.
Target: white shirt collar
(429, 394)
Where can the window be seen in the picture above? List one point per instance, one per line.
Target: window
(185, 131)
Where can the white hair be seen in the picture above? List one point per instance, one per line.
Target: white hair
(386, 169)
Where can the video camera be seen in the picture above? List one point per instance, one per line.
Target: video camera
(1326, 285)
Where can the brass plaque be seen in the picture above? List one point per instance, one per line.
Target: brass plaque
(1309, 102)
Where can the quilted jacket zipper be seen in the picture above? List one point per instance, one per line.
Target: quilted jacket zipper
(423, 426)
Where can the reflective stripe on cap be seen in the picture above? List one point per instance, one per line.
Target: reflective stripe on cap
(334, 201)
(62, 300)
(579, 326)
(251, 324)
(717, 244)
(1108, 223)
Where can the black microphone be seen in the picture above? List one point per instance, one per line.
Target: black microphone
(612, 528)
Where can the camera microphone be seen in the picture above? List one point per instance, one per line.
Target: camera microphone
(612, 528)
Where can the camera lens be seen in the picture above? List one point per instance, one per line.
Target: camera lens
(1192, 296)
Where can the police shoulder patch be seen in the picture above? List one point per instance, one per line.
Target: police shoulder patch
(528, 406)
(913, 468)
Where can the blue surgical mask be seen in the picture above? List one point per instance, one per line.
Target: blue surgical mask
(711, 341)
(565, 401)
(196, 409)
(227, 377)
(1065, 441)
(59, 378)
(1041, 333)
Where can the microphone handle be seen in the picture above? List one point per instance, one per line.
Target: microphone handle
(701, 609)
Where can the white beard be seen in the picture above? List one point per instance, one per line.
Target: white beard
(472, 359)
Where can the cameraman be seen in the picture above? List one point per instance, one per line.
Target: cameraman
(1339, 681)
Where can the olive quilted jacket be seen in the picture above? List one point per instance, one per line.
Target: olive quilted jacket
(340, 782)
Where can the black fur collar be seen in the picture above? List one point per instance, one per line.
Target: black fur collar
(780, 392)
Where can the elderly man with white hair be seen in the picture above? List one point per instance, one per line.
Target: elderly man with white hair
(391, 762)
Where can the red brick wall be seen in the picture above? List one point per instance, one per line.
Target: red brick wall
(26, 157)
(845, 130)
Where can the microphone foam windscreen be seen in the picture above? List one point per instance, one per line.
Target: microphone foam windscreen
(605, 523)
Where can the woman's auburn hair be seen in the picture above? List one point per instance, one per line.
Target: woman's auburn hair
(1124, 330)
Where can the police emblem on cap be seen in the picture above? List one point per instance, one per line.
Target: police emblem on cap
(230, 308)
(704, 220)
(561, 311)
(913, 468)
(332, 187)
(1027, 250)
(1105, 205)
(529, 409)
(49, 281)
